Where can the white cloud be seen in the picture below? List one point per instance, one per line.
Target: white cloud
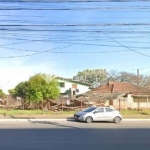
(13, 71)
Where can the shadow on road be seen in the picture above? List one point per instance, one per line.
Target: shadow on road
(52, 123)
(73, 120)
(13, 117)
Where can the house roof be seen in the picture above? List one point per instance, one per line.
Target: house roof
(112, 96)
(73, 81)
(124, 87)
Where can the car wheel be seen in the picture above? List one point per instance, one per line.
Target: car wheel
(89, 120)
(117, 120)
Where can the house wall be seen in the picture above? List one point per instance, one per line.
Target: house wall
(131, 102)
(71, 85)
(141, 102)
(122, 104)
(116, 104)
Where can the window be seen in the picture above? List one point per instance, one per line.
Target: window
(100, 110)
(89, 109)
(74, 86)
(62, 84)
(109, 109)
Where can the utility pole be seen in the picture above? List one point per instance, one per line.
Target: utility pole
(119, 105)
(138, 106)
(62, 104)
(81, 102)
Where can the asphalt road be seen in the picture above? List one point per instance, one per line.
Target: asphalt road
(70, 135)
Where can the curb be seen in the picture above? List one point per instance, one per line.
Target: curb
(65, 119)
(136, 119)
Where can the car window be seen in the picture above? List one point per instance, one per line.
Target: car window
(89, 109)
(100, 110)
(109, 109)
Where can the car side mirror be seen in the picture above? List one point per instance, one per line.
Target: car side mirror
(94, 112)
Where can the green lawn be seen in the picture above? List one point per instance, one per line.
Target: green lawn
(135, 112)
(31, 112)
(39, 112)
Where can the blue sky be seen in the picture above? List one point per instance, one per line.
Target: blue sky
(63, 38)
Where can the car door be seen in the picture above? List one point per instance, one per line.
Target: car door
(109, 114)
(99, 114)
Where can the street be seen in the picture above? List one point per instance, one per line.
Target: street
(70, 135)
(61, 123)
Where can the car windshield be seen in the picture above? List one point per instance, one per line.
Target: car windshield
(89, 109)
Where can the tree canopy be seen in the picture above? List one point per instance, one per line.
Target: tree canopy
(97, 77)
(91, 75)
(2, 94)
(37, 88)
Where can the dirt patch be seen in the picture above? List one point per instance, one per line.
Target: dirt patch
(52, 116)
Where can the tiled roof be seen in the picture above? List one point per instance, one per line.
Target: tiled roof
(104, 88)
(125, 87)
(112, 96)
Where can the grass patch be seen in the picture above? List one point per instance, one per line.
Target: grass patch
(32, 112)
(135, 112)
(144, 113)
(20, 112)
(39, 112)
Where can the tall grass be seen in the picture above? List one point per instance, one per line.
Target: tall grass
(32, 112)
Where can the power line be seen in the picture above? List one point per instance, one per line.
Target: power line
(60, 25)
(65, 52)
(35, 53)
(40, 51)
(70, 1)
(39, 16)
(27, 26)
(110, 9)
(125, 46)
(99, 45)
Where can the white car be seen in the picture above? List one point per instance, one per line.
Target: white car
(99, 114)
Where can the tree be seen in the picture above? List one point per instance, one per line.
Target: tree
(12, 92)
(41, 89)
(112, 76)
(21, 90)
(141, 80)
(91, 76)
(37, 89)
(2, 94)
(98, 77)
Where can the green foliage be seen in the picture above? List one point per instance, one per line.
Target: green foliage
(37, 89)
(12, 92)
(51, 90)
(21, 89)
(35, 112)
(91, 75)
(2, 94)
(36, 86)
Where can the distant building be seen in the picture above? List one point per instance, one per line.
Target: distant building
(125, 94)
(71, 87)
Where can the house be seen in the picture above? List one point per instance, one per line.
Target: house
(124, 95)
(71, 87)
